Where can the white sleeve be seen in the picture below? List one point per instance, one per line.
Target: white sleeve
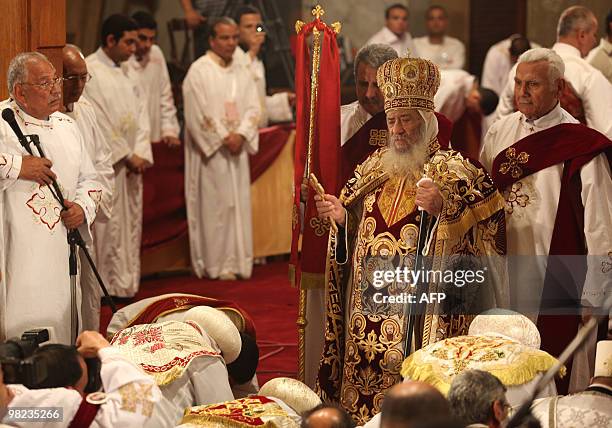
(10, 167)
(459, 56)
(506, 98)
(131, 394)
(169, 123)
(278, 108)
(597, 103)
(104, 165)
(206, 131)
(248, 127)
(597, 202)
(142, 147)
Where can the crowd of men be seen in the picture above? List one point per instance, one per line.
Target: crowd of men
(540, 190)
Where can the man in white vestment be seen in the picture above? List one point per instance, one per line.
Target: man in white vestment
(395, 32)
(587, 92)
(128, 399)
(590, 408)
(555, 177)
(601, 56)
(35, 283)
(274, 108)
(149, 64)
(445, 51)
(121, 111)
(83, 114)
(499, 60)
(222, 112)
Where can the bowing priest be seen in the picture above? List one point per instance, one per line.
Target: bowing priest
(82, 112)
(555, 178)
(222, 113)
(35, 283)
(377, 219)
(121, 111)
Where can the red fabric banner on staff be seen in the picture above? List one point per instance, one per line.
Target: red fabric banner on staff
(308, 266)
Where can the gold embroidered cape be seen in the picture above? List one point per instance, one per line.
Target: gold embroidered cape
(364, 340)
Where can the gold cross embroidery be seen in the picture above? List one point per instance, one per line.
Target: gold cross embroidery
(378, 137)
(513, 163)
(133, 395)
(319, 226)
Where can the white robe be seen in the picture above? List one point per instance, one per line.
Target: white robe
(155, 81)
(592, 409)
(402, 45)
(352, 117)
(455, 86)
(448, 55)
(274, 108)
(588, 83)
(131, 395)
(219, 100)
(601, 58)
(531, 207)
(83, 114)
(121, 112)
(35, 281)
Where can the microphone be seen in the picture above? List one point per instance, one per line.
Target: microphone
(9, 117)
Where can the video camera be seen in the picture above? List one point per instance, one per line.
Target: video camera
(19, 365)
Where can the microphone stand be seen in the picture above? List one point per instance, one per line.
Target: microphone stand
(74, 239)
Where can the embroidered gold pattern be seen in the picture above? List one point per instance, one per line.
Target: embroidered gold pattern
(606, 265)
(378, 137)
(319, 226)
(137, 395)
(514, 162)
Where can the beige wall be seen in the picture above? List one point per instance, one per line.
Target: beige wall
(542, 17)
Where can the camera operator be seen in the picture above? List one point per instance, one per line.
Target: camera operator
(277, 107)
(128, 398)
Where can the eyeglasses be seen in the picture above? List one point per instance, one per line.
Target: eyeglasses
(47, 86)
(82, 77)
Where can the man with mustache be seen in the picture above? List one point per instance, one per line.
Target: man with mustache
(35, 283)
(377, 220)
(555, 176)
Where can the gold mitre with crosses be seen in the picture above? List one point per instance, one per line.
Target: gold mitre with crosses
(408, 83)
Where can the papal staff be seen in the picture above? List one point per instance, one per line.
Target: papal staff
(317, 151)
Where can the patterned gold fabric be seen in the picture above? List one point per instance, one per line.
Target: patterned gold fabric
(253, 411)
(166, 349)
(511, 362)
(408, 83)
(364, 340)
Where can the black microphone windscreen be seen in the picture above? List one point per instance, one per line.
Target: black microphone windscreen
(8, 114)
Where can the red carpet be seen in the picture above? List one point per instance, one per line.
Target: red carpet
(267, 297)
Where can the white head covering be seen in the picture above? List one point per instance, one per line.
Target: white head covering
(219, 327)
(292, 392)
(603, 359)
(510, 324)
(431, 124)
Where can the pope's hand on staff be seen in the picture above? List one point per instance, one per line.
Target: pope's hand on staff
(330, 206)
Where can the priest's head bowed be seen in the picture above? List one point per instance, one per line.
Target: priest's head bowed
(409, 86)
(538, 82)
(34, 85)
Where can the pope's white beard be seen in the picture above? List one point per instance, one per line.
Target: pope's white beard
(401, 162)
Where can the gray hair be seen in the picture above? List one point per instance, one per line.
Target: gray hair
(374, 55)
(556, 66)
(573, 19)
(226, 20)
(472, 393)
(18, 68)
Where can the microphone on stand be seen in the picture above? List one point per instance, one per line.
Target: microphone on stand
(9, 117)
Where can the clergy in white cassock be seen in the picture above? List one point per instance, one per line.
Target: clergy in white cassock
(446, 52)
(555, 178)
(121, 111)
(128, 397)
(274, 108)
(395, 32)
(35, 287)
(221, 116)
(83, 114)
(587, 93)
(149, 64)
